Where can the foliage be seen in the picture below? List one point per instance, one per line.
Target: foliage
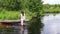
(12, 4)
(34, 5)
(51, 8)
(13, 15)
(35, 24)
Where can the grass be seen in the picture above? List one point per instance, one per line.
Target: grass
(52, 10)
(9, 15)
(13, 15)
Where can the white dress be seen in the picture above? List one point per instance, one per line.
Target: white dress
(22, 19)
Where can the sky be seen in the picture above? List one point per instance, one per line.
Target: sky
(51, 1)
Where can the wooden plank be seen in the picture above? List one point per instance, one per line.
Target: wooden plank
(12, 21)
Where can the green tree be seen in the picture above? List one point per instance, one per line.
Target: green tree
(11, 4)
(35, 5)
(35, 25)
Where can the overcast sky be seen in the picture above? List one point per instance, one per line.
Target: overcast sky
(51, 1)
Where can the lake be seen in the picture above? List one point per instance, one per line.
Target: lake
(51, 24)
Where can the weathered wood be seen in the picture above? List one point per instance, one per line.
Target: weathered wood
(12, 21)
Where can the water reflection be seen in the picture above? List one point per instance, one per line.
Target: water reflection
(52, 24)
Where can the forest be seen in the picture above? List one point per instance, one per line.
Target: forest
(11, 9)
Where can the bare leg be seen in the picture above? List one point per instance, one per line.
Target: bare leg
(22, 22)
(22, 28)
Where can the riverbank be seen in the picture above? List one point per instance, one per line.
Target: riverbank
(11, 15)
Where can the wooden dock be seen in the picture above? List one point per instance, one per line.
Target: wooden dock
(12, 21)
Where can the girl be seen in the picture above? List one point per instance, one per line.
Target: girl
(22, 20)
(22, 17)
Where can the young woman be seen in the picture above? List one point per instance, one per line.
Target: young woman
(22, 17)
(22, 21)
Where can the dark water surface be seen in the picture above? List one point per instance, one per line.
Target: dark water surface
(51, 24)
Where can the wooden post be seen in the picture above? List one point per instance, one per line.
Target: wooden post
(22, 21)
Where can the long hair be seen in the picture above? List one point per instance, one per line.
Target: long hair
(22, 12)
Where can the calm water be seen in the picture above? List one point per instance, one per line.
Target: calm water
(51, 24)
